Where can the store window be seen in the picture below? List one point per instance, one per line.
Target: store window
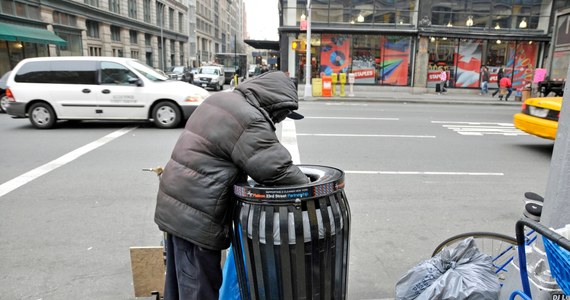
(366, 58)
(441, 53)
(468, 63)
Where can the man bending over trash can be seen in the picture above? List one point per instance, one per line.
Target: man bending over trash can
(228, 137)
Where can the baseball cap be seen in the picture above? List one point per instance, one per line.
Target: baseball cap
(295, 115)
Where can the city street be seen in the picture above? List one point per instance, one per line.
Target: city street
(415, 175)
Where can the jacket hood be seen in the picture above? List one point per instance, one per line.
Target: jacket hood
(270, 92)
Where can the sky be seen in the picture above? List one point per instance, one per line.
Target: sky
(262, 19)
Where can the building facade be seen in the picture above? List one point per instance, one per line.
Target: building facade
(219, 28)
(161, 33)
(409, 42)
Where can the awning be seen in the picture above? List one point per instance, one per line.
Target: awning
(17, 33)
(263, 44)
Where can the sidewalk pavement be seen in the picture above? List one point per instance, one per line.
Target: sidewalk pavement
(412, 95)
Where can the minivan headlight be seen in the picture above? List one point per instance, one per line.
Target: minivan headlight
(194, 98)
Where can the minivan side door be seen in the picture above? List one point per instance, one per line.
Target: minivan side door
(118, 96)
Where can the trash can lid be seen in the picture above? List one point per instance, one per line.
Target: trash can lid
(324, 181)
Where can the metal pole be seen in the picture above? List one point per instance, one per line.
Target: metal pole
(163, 65)
(308, 87)
(556, 210)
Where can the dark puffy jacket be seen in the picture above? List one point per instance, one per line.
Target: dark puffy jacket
(229, 136)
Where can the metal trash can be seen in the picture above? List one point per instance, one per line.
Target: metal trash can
(294, 240)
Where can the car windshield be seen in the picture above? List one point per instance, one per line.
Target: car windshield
(176, 70)
(209, 71)
(147, 71)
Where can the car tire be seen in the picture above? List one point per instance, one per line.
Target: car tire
(3, 103)
(42, 116)
(166, 115)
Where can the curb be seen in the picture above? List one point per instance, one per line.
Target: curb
(409, 100)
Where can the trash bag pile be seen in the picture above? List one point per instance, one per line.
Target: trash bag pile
(460, 272)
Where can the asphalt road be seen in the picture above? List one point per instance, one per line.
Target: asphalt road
(415, 174)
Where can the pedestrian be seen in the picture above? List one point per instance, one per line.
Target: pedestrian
(443, 83)
(500, 75)
(228, 137)
(505, 84)
(484, 81)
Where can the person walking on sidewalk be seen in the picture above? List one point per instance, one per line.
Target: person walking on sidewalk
(229, 137)
(505, 84)
(443, 83)
(500, 76)
(484, 81)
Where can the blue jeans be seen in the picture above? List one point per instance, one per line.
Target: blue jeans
(484, 87)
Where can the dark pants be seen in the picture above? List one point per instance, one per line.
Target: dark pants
(192, 272)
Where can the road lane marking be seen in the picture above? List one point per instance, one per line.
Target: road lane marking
(424, 173)
(19, 181)
(366, 135)
(481, 128)
(472, 123)
(354, 118)
(289, 139)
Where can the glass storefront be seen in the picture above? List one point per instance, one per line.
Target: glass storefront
(464, 59)
(374, 59)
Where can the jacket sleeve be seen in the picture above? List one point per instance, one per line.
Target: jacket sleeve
(260, 154)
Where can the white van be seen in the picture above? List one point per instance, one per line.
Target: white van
(210, 77)
(47, 89)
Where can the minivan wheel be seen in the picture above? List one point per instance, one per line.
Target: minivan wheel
(42, 116)
(166, 115)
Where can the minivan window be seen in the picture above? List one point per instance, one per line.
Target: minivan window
(74, 72)
(64, 72)
(114, 73)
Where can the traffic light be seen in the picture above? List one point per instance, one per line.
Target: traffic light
(298, 45)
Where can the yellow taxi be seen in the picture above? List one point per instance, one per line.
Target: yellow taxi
(539, 116)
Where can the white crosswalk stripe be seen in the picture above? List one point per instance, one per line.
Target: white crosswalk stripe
(481, 128)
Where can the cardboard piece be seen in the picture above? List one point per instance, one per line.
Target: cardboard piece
(147, 265)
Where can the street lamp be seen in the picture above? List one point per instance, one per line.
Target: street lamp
(308, 87)
(161, 11)
(469, 22)
(523, 23)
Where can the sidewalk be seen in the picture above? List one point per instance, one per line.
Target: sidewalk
(412, 95)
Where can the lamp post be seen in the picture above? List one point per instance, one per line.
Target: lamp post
(161, 9)
(308, 87)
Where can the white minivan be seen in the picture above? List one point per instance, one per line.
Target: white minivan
(47, 89)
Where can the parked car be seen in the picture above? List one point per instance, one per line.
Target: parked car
(47, 89)
(3, 98)
(210, 77)
(539, 116)
(180, 73)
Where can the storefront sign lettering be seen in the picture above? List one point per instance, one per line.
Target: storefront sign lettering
(365, 73)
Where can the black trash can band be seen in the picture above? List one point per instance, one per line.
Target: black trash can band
(322, 183)
(291, 227)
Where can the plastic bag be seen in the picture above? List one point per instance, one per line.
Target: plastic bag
(230, 285)
(462, 272)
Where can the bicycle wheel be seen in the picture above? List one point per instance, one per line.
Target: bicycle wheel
(501, 248)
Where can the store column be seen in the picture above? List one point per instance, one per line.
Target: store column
(421, 66)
